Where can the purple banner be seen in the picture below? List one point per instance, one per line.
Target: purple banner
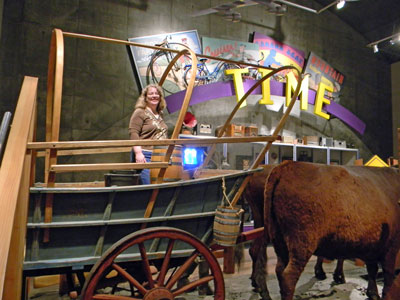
(217, 90)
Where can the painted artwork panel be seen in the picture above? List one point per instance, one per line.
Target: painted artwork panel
(149, 65)
(321, 71)
(227, 49)
(275, 54)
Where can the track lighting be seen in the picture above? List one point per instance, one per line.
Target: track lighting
(340, 4)
(393, 39)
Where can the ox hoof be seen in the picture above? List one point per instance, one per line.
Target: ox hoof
(320, 275)
(339, 278)
(373, 296)
(265, 296)
(253, 283)
(205, 291)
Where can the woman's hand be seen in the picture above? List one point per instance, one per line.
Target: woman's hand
(140, 157)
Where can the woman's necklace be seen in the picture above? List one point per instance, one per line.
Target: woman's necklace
(157, 116)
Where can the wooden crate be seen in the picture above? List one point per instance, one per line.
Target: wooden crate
(287, 139)
(251, 131)
(311, 140)
(232, 130)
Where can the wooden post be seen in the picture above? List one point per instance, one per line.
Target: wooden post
(398, 143)
(229, 257)
(14, 186)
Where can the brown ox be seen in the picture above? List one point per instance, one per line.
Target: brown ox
(254, 195)
(335, 212)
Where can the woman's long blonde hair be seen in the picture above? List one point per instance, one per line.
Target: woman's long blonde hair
(141, 101)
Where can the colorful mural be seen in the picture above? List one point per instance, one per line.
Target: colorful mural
(149, 64)
(322, 72)
(276, 54)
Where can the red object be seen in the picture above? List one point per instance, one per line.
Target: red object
(189, 120)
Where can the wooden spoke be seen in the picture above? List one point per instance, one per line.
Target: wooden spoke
(131, 280)
(192, 285)
(146, 265)
(165, 264)
(181, 270)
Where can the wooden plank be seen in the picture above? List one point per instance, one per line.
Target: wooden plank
(88, 151)
(73, 184)
(106, 166)
(205, 173)
(11, 174)
(13, 280)
(130, 143)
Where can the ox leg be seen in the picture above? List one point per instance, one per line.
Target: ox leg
(372, 290)
(289, 268)
(291, 275)
(204, 289)
(388, 267)
(338, 275)
(318, 269)
(258, 275)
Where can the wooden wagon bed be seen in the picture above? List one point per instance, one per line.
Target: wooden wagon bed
(74, 228)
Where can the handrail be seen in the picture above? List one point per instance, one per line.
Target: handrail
(121, 143)
(14, 187)
(4, 130)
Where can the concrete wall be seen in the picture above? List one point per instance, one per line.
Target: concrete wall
(396, 107)
(1, 15)
(99, 87)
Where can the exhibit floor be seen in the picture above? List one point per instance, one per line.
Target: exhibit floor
(238, 285)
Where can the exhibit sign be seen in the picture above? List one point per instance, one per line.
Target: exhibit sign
(227, 49)
(322, 72)
(323, 107)
(275, 54)
(149, 64)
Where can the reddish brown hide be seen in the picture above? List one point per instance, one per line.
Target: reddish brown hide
(333, 211)
(254, 195)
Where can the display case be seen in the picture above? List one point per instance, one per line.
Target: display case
(241, 156)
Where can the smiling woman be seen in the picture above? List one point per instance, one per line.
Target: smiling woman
(147, 123)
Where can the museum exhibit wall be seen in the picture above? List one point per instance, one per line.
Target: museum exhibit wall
(396, 108)
(100, 90)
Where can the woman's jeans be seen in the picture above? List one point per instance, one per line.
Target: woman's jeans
(145, 174)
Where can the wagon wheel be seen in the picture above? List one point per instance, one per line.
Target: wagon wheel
(147, 284)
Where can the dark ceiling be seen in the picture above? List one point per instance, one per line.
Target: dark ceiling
(375, 20)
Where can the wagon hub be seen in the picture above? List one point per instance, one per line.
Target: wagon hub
(159, 293)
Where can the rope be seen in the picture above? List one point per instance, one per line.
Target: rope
(224, 192)
(240, 211)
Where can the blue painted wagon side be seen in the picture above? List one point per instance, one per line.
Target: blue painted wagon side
(87, 221)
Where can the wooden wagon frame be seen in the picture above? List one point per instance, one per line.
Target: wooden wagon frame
(29, 214)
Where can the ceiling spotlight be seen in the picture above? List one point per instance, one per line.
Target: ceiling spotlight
(375, 48)
(340, 4)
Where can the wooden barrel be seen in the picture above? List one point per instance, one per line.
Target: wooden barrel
(227, 225)
(174, 170)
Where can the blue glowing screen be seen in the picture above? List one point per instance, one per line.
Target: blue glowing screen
(192, 157)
